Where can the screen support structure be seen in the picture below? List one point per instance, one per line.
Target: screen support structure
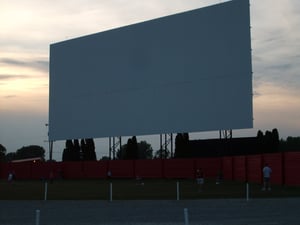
(114, 142)
(50, 143)
(165, 141)
(225, 134)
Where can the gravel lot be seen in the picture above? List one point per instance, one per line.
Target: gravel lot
(200, 212)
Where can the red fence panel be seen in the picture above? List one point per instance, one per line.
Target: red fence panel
(72, 170)
(239, 165)
(95, 169)
(121, 168)
(227, 168)
(21, 170)
(179, 168)
(292, 168)
(152, 168)
(42, 170)
(4, 170)
(285, 168)
(274, 160)
(254, 168)
(210, 166)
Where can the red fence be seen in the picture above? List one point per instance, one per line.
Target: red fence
(285, 166)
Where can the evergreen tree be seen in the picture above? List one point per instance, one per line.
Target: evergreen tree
(90, 153)
(83, 150)
(135, 152)
(182, 145)
(275, 141)
(2, 153)
(67, 153)
(76, 150)
(129, 150)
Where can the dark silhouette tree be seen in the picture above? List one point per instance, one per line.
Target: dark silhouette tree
(83, 149)
(67, 153)
(76, 150)
(131, 150)
(182, 145)
(135, 148)
(162, 154)
(30, 151)
(260, 134)
(89, 150)
(10, 156)
(129, 154)
(275, 140)
(290, 144)
(260, 141)
(121, 153)
(2, 153)
(145, 150)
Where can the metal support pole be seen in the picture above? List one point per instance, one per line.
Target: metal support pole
(110, 192)
(177, 190)
(50, 150)
(114, 147)
(109, 148)
(166, 145)
(161, 147)
(37, 217)
(172, 153)
(247, 191)
(46, 191)
(186, 216)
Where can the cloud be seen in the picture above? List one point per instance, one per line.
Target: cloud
(276, 43)
(36, 64)
(4, 77)
(10, 96)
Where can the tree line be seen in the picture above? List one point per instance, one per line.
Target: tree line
(264, 142)
(26, 152)
(75, 150)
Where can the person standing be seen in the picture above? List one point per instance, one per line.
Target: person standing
(200, 179)
(267, 176)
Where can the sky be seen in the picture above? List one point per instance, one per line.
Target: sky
(27, 28)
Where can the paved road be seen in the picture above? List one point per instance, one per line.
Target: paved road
(200, 212)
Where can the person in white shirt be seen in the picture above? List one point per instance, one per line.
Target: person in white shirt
(267, 176)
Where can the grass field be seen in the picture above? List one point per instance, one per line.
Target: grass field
(130, 189)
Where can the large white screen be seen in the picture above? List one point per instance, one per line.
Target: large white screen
(186, 72)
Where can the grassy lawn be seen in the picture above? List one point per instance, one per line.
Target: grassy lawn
(130, 189)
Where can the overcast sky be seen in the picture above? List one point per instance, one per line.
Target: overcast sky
(27, 28)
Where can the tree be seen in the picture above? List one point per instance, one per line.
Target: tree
(131, 150)
(182, 145)
(162, 154)
(10, 156)
(76, 150)
(2, 153)
(268, 142)
(144, 150)
(67, 153)
(290, 144)
(30, 151)
(275, 141)
(88, 149)
(260, 135)
(121, 153)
